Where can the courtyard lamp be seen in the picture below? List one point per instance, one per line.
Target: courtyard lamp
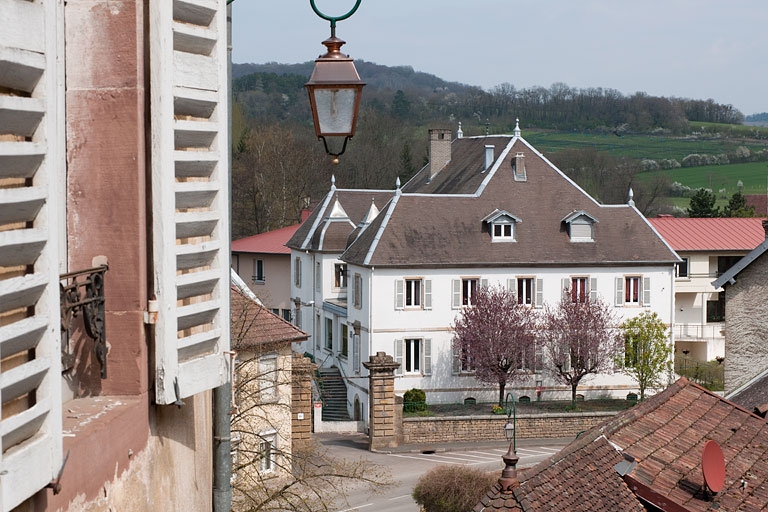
(334, 91)
(508, 478)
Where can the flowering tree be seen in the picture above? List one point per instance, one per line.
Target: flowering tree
(579, 338)
(495, 337)
(647, 352)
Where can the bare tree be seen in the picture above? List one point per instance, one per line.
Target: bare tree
(271, 472)
(580, 338)
(495, 337)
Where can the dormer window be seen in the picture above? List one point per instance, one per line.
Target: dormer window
(502, 226)
(581, 226)
(518, 167)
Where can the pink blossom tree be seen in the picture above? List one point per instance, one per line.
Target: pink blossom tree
(580, 337)
(495, 337)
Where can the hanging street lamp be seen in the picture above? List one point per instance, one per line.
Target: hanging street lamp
(334, 91)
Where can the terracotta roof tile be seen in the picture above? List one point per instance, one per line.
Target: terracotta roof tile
(271, 242)
(254, 326)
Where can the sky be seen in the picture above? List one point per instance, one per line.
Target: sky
(697, 49)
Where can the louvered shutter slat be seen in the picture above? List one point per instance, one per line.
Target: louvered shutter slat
(399, 294)
(427, 294)
(593, 289)
(619, 298)
(399, 356)
(646, 291)
(428, 356)
(190, 195)
(31, 164)
(539, 293)
(456, 293)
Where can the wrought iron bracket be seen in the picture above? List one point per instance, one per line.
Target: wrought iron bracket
(82, 292)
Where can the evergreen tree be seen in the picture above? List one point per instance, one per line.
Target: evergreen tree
(703, 204)
(737, 207)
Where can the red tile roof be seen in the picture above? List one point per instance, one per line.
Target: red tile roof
(271, 242)
(254, 326)
(719, 234)
(665, 435)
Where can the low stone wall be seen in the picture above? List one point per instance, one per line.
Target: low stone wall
(444, 429)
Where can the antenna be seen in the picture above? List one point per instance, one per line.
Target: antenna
(713, 466)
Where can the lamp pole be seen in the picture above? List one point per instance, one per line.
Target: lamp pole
(511, 408)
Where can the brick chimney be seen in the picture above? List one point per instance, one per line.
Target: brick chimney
(439, 150)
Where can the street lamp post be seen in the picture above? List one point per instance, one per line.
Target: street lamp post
(510, 428)
(334, 91)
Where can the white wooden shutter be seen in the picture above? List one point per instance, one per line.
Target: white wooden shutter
(539, 293)
(399, 294)
(190, 195)
(399, 356)
(356, 352)
(512, 287)
(619, 298)
(427, 294)
(456, 293)
(565, 283)
(456, 358)
(646, 291)
(32, 172)
(593, 289)
(428, 356)
(483, 283)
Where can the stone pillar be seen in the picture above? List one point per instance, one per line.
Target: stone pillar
(383, 428)
(301, 400)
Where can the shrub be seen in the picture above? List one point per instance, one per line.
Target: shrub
(452, 488)
(414, 400)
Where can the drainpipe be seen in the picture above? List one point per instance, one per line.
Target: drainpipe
(222, 395)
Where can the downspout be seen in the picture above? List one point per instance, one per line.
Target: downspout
(672, 324)
(370, 346)
(222, 395)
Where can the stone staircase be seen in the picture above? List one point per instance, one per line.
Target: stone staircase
(334, 395)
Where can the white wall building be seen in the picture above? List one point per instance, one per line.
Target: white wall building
(486, 211)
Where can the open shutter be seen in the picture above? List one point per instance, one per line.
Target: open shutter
(646, 291)
(427, 294)
(512, 287)
(456, 293)
(619, 296)
(356, 352)
(565, 283)
(399, 356)
(456, 358)
(190, 195)
(32, 171)
(539, 293)
(483, 283)
(593, 289)
(427, 356)
(399, 293)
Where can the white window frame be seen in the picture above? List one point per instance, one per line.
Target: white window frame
(414, 350)
(526, 295)
(258, 271)
(358, 291)
(339, 276)
(344, 340)
(33, 60)
(633, 290)
(683, 276)
(502, 231)
(297, 272)
(268, 445)
(268, 378)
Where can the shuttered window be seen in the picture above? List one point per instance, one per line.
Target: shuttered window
(31, 163)
(190, 198)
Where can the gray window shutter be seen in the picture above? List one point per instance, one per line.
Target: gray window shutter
(428, 356)
(190, 196)
(619, 298)
(456, 293)
(32, 165)
(483, 283)
(399, 356)
(399, 294)
(646, 291)
(593, 289)
(539, 293)
(427, 294)
(512, 287)
(565, 283)
(456, 358)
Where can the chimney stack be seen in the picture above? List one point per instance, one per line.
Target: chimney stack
(439, 150)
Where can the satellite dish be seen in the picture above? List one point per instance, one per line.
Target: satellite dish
(713, 466)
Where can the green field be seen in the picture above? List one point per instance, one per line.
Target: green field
(754, 176)
(654, 147)
(731, 130)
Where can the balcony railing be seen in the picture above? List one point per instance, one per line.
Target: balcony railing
(703, 332)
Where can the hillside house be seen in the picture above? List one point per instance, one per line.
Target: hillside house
(746, 286)
(707, 247)
(120, 197)
(485, 211)
(263, 262)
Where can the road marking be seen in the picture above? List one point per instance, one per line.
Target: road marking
(400, 497)
(356, 508)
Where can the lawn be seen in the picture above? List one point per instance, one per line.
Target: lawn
(753, 175)
(543, 407)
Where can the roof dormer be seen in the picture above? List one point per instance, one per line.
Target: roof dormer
(581, 226)
(502, 226)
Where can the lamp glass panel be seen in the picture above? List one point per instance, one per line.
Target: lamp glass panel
(335, 109)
